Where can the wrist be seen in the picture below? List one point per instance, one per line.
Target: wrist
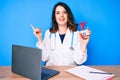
(40, 40)
(83, 48)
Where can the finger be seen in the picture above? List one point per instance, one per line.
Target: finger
(83, 36)
(38, 30)
(88, 33)
(33, 28)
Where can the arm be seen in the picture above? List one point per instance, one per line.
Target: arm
(43, 45)
(80, 52)
(84, 38)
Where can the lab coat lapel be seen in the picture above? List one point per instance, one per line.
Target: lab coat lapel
(67, 38)
(58, 40)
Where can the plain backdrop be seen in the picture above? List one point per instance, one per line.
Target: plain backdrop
(102, 17)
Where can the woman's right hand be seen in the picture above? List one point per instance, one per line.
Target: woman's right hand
(38, 33)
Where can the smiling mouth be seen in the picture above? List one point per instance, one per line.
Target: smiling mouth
(62, 19)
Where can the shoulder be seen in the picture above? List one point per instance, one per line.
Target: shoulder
(76, 32)
(47, 32)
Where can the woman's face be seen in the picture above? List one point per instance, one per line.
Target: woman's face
(61, 16)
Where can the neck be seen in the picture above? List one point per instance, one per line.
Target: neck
(62, 29)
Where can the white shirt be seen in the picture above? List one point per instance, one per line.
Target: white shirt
(56, 53)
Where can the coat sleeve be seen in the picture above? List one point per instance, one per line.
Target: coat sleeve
(45, 52)
(78, 56)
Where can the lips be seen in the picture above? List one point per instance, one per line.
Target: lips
(61, 19)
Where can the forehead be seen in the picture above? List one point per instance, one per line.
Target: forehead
(60, 8)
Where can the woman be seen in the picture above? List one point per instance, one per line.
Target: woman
(62, 44)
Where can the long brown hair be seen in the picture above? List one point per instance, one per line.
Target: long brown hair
(70, 24)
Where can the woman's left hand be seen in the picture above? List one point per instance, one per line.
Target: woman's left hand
(85, 37)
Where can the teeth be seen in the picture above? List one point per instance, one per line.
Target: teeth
(61, 19)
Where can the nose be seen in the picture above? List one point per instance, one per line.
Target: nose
(61, 14)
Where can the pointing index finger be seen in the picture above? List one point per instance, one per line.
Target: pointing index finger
(32, 27)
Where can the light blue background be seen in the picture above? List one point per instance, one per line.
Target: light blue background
(102, 17)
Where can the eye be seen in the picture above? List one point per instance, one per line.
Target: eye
(57, 12)
(65, 12)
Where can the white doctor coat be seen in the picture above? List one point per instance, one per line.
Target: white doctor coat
(56, 53)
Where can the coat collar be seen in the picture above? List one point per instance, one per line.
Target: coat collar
(67, 37)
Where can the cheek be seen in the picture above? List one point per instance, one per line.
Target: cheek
(66, 19)
(66, 16)
(56, 17)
